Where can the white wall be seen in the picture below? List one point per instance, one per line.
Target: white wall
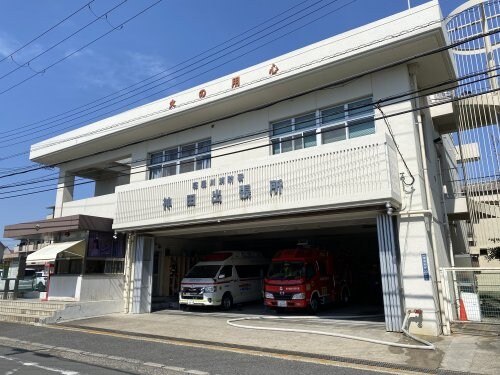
(86, 287)
(102, 206)
(64, 287)
(102, 288)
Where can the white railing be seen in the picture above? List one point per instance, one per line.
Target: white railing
(363, 171)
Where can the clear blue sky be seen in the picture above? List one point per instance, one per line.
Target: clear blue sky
(167, 34)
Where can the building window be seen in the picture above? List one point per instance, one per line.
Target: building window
(181, 159)
(350, 120)
(294, 134)
(347, 121)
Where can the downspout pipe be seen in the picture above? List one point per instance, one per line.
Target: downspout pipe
(130, 255)
(413, 69)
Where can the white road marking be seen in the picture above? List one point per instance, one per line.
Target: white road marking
(36, 365)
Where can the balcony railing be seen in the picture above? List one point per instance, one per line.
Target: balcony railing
(357, 172)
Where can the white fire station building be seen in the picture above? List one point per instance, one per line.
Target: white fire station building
(337, 144)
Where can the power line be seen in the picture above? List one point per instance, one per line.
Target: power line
(219, 93)
(162, 72)
(96, 117)
(46, 31)
(340, 82)
(343, 81)
(27, 63)
(267, 144)
(81, 48)
(204, 63)
(371, 105)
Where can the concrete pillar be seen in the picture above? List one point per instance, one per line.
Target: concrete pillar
(65, 188)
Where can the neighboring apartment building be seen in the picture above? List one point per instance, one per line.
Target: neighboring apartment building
(333, 144)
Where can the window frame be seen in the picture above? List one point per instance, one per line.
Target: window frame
(197, 153)
(295, 134)
(350, 117)
(347, 120)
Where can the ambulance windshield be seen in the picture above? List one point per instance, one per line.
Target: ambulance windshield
(203, 272)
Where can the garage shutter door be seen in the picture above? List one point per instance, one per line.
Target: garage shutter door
(390, 273)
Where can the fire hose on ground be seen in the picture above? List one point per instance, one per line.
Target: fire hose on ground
(426, 344)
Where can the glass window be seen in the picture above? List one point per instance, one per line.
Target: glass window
(286, 145)
(333, 134)
(360, 128)
(203, 162)
(310, 270)
(344, 121)
(156, 158)
(359, 108)
(306, 121)
(188, 150)
(169, 169)
(186, 166)
(225, 272)
(171, 154)
(334, 114)
(297, 142)
(282, 127)
(276, 146)
(203, 271)
(204, 146)
(309, 139)
(180, 159)
(154, 172)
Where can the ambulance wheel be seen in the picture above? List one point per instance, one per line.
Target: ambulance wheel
(227, 301)
(314, 304)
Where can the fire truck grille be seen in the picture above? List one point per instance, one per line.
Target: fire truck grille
(283, 296)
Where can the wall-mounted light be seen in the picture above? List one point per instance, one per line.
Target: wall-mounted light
(115, 235)
(390, 209)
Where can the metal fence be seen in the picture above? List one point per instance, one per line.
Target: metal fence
(471, 294)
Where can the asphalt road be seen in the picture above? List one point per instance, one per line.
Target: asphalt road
(45, 350)
(22, 361)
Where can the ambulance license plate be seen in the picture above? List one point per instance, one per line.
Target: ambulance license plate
(281, 303)
(190, 302)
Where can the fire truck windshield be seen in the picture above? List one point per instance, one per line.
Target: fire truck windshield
(286, 270)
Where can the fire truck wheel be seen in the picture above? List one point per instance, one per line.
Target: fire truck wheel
(314, 304)
(227, 301)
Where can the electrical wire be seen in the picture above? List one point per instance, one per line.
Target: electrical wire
(246, 149)
(161, 91)
(27, 63)
(337, 83)
(44, 70)
(46, 32)
(397, 147)
(392, 98)
(204, 63)
(161, 72)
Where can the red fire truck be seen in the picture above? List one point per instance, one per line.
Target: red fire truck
(306, 278)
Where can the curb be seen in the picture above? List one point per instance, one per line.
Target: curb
(347, 360)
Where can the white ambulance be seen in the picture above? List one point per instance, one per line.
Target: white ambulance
(224, 278)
